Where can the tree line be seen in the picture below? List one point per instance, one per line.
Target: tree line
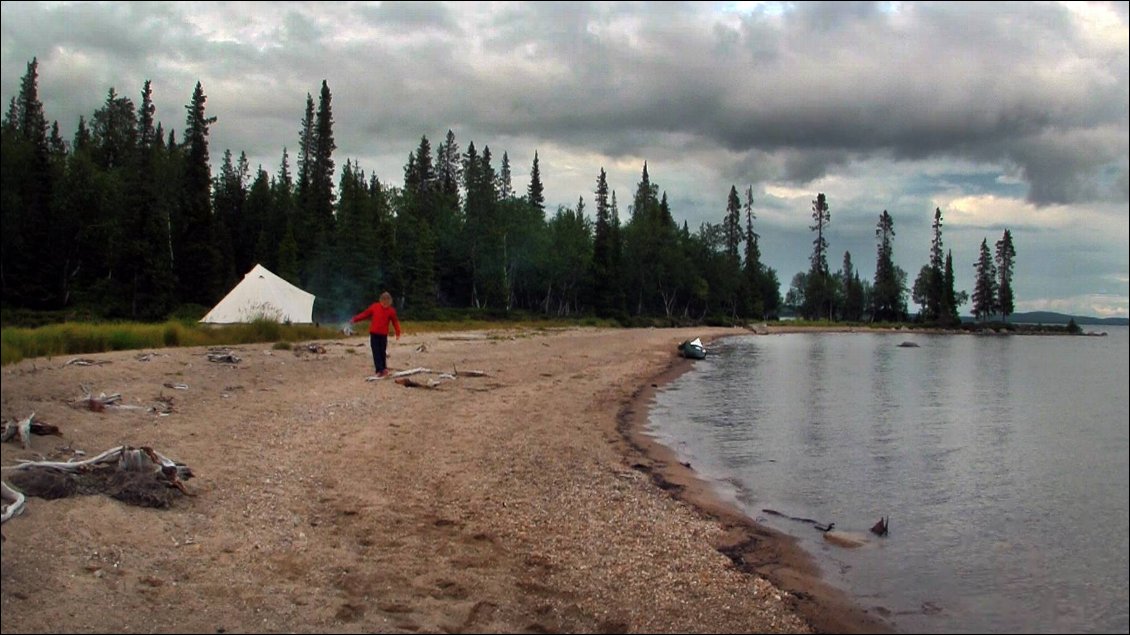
(126, 220)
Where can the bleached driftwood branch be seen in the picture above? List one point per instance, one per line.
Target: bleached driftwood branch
(13, 503)
(82, 361)
(469, 373)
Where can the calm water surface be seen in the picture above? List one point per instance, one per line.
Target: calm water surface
(1001, 461)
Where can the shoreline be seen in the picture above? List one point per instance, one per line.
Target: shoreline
(754, 549)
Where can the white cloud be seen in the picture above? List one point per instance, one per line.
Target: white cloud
(1098, 305)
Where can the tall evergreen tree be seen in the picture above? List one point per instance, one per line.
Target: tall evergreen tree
(653, 254)
(604, 280)
(114, 131)
(616, 238)
(150, 271)
(420, 204)
(505, 187)
(196, 256)
(237, 232)
(322, 174)
(303, 224)
(732, 224)
(985, 284)
(887, 294)
(819, 298)
(283, 223)
(1005, 259)
(448, 169)
(484, 231)
(953, 299)
(25, 210)
(535, 193)
(852, 307)
(936, 294)
(752, 269)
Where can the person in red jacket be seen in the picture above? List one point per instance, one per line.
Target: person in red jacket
(379, 315)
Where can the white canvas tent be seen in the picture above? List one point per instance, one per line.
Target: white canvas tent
(263, 295)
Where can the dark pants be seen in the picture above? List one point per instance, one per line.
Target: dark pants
(380, 345)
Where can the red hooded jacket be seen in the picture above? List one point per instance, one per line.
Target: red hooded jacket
(379, 317)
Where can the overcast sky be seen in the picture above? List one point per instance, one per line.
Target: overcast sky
(1009, 115)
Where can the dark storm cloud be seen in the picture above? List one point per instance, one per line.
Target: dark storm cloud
(992, 99)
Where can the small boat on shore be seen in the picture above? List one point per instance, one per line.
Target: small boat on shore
(693, 349)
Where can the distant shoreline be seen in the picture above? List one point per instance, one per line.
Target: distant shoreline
(772, 328)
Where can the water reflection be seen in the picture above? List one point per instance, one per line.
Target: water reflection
(1005, 477)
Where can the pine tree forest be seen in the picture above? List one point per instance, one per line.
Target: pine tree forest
(126, 220)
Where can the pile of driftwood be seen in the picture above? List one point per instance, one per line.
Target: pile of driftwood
(402, 377)
(138, 476)
(163, 405)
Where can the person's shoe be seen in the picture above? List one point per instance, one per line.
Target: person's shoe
(383, 373)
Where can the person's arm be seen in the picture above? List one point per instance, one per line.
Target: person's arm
(396, 323)
(363, 315)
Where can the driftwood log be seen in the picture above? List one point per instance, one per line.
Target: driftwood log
(224, 357)
(138, 476)
(27, 427)
(82, 361)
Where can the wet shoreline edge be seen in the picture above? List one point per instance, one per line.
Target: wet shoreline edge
(753, 548)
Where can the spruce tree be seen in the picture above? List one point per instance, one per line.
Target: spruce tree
(26, 209)
(887, 295)
(322, 174)
(952, 300)
(535, 193)
(818, 299)
(603, 279)
(505, 187)
(302, 221)
(732, 224)
(1005, 259)
(752, 272)
(151, 266)
(196, 256)
(448, 171)
(935, 293)
(985, 286)
(284, 219)
(852, 307)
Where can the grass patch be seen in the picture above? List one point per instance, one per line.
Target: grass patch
(77, 338)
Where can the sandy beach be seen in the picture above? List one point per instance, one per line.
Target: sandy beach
(525, 500)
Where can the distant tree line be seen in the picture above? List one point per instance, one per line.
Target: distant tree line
(126, 220)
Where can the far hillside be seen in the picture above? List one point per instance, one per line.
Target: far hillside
(1049, 317)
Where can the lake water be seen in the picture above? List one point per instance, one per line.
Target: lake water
(1002, 462)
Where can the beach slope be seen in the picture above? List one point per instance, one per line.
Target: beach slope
(322, 502)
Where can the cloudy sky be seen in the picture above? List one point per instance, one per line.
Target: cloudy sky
(1007, 115)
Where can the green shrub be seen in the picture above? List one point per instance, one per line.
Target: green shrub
(170, 335)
